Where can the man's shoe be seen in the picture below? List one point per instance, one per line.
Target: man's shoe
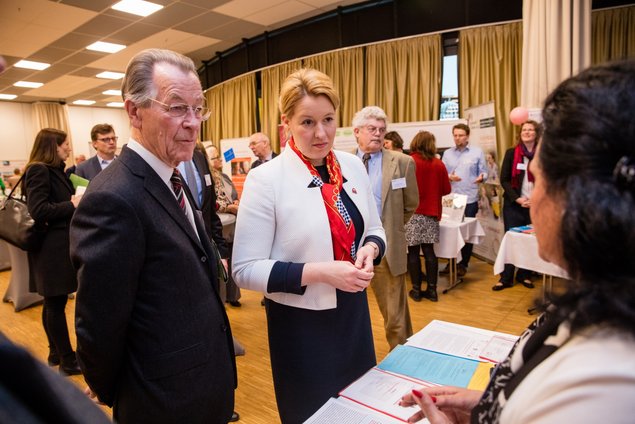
(70, 369)
(527, 283)
(461, 270)
(235, 417)
(53, 360)
(234, 303)
(430, 295)
(501, 286)
(415, 295)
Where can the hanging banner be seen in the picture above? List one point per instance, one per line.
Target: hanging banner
(482, 125)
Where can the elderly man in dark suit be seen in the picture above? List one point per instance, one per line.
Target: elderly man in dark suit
(260, 146)
(105, 143)
(152, 334)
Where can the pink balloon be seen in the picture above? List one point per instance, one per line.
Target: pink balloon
(518, 115)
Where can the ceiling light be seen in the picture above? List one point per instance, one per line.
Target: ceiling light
(112, 92)
(7, 96)
(115, 104)
(137, 7)
(110, 75)
(102, 46)
(28, 64)
(84, 102)
(28, 84)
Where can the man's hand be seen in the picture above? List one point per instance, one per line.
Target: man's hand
(453, 177)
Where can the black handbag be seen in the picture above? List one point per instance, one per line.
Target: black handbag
(17, 227)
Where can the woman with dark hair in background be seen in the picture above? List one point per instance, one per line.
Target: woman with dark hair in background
(422, 230)
(51, 203)
(518, 182)
(576, 362)
(393, 141)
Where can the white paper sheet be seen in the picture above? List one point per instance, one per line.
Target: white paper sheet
(463, 341)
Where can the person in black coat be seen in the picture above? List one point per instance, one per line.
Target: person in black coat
(51, 203)
(32, 393)
(518, 183)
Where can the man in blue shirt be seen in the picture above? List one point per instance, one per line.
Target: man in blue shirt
(466, 170)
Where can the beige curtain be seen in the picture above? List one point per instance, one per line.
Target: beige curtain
(233, 106)
(346, 69)
(557, 44)
(489, 69)
(53, 115)
(271, 80)
(404, 78)
(613, 34)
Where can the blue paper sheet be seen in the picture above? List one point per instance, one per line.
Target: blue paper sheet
(430, 366)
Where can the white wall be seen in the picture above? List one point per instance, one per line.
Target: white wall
(18, 131)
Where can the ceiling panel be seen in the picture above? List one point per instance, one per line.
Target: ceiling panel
(65, 86)
(174, 14)
(58, 31)
(279, 12)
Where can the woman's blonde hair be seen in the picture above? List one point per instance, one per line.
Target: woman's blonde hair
(305, 82)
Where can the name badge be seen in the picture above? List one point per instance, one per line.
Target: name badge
(208, 180)
(398, 183)
(521, 167)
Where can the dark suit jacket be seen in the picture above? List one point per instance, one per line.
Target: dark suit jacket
(89, 168)
(258, 162)
(213, 225)
(153, 338)
(32, 393)
(48, 194)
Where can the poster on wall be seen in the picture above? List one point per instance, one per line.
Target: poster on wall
(237, 158)
(482, 125)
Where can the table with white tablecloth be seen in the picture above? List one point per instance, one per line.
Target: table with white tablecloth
(18, 290)
(452, 238)
(521, 250)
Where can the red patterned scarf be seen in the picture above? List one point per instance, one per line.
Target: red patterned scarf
(342, 228)
(519, 152)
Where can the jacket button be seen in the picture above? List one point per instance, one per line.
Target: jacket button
(203, 258)
(223, 328)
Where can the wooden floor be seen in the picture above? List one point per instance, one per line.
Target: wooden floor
(471, 303)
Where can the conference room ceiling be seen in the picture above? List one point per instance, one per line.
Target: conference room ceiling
(57, 32)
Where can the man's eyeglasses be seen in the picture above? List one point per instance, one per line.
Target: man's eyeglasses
(180, 110)
(108, 139)
(372, 130)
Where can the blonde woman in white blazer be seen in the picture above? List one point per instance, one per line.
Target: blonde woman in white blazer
(308, 236)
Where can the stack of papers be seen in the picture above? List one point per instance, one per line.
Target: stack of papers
(527, 229)
(442, 353)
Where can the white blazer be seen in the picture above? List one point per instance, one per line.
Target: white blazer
(282, 219)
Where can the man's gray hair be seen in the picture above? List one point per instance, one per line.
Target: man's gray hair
(369, 112)
(137, 84)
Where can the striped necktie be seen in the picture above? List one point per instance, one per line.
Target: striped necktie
(365, 159)
(177, 186)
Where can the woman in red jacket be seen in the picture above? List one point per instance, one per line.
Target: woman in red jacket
(422, 231)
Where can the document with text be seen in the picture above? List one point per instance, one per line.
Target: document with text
(345, 411)
(382, 391)
(463, 341)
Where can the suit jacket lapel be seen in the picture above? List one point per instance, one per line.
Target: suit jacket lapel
(157, 189)
(96, 165)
